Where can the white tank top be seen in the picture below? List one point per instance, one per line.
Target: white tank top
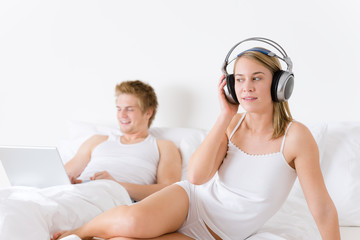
(246, 191)
(134, 163)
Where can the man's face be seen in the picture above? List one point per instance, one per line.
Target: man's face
(131, 118)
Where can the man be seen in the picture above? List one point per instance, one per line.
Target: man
(136, 160)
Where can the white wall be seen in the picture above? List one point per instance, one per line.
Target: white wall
(60, 60)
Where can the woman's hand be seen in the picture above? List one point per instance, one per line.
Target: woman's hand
(226, 107)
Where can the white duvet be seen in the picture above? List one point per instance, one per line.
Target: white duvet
(34, 214)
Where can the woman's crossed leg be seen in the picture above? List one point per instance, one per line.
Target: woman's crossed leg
(161, 213)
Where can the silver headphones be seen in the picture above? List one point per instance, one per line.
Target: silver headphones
(282, 83)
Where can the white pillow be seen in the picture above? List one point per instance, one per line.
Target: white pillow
(319, 132)
(341, 169)
(186, 139)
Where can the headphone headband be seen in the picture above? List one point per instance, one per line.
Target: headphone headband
(257, 49)
(270, 42)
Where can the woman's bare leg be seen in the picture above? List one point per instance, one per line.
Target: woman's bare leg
(161, 213)
(170, 236)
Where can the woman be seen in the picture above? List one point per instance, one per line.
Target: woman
(238, 177)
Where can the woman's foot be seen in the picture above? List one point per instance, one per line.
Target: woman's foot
(56, 235)
(62, 234)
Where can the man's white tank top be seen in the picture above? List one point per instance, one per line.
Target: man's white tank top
(134, 163)
(247, 190)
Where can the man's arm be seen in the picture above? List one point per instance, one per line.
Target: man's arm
(78, 163)
(168, 172)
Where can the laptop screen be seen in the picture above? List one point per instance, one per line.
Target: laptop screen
(33, 166)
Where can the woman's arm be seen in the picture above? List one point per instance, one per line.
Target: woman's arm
(208, 157)
(309, 173)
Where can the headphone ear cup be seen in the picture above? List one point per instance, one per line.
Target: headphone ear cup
(230, 89)
(282, 86)
(274, 85)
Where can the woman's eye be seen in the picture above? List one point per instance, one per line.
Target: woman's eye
(257, 78)
(238, 79)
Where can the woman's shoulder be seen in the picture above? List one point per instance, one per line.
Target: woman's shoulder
(234, 121)
(300, 143)
(237, 118)
(298, 127)
(299, 132)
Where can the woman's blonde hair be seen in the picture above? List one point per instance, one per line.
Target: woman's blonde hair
(144, 92)
(281, 111)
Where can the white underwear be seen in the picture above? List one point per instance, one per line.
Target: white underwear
(193, 226)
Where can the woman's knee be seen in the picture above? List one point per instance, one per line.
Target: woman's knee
(130, 221)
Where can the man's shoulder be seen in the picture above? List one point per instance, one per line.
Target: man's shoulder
(97, 139)
(165, 143)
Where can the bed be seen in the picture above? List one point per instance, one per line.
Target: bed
(30, 213)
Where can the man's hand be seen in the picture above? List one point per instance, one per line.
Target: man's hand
(102, 175)
(74, 180)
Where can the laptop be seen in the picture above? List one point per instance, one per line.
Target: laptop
(33, 166)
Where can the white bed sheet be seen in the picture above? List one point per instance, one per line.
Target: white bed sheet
(33, 214)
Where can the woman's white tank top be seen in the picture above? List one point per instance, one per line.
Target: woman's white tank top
(246, 191)
(134, 163)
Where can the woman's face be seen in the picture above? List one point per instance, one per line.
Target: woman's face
(253, 84)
